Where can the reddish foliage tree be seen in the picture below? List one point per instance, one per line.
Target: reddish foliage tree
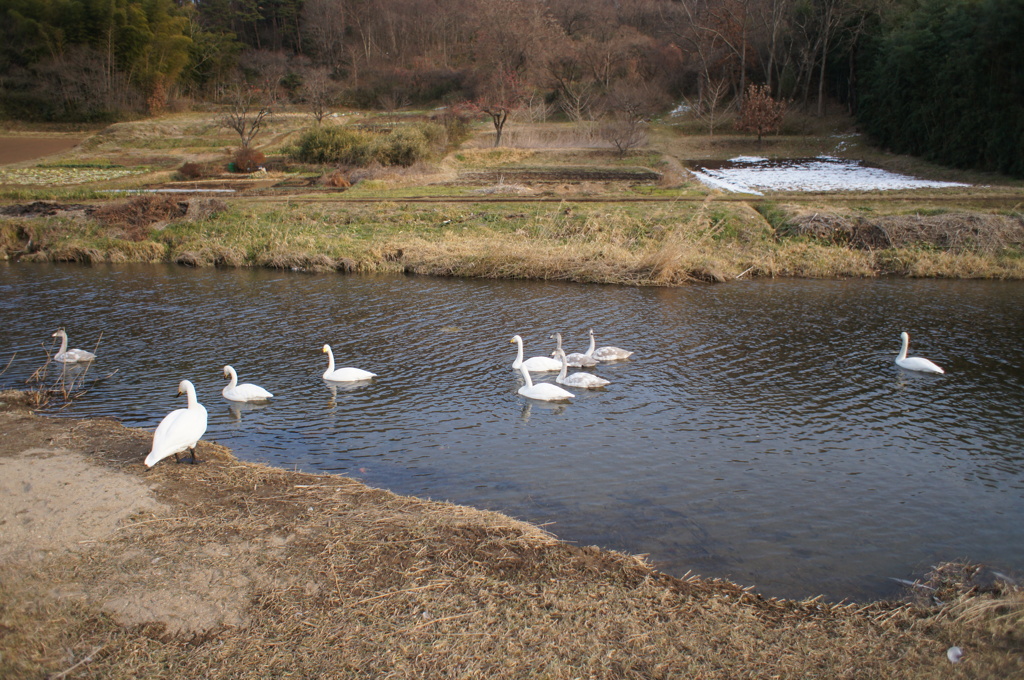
(761, 113)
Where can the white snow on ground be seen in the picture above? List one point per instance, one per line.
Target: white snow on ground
(749, 174)
(716, 183)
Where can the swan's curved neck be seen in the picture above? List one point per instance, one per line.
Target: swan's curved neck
(330, 360)
(191, 392)
(63, 343)
(590, 350)
(233, 378)
(526, 376)
(558, 340)
(565, 364)
(903, 348)
(519, 349)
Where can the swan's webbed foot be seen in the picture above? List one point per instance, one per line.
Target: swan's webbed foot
(194, 459)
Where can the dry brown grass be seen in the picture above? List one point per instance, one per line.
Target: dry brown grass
(212, 256)
(136, 216)
(256, 572)
(297, 260)
(955, 232)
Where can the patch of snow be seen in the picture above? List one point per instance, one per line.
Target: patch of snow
(749, 174)
(722, 184)
(680, 110)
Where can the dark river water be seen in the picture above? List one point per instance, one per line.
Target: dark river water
(761, 432)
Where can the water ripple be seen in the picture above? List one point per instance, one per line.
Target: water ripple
(761, 431)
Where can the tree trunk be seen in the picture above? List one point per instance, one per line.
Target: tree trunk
(499, 118)
(821, 76)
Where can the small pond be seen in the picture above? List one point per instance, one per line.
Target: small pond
(760, 433)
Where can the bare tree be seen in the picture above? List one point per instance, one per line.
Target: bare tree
(247, 111)
(324, 23)
(319, 92)
(629, 104)
(710, 102)
(499, 96)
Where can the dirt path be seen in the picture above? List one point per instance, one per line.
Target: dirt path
(228, 569)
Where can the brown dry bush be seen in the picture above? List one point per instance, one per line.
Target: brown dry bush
(336, 179)
(192, 170)
(249, 160)
(135, 217)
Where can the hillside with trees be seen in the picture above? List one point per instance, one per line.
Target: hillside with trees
(938, 78)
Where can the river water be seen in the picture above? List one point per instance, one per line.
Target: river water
(761, 432)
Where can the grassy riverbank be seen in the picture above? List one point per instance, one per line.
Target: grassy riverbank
(228, 569)
(549, 211)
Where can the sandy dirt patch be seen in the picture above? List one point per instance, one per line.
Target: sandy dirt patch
(62, 504)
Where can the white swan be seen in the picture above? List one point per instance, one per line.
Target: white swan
(607, 353)
(914, 363)
(244, 392)
(542, 391)
(574, 359)
(535, 364)
(69, 356)
(180, 430)
(347, 374)
(579, 379)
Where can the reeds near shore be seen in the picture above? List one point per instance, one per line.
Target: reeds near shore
(633, 244)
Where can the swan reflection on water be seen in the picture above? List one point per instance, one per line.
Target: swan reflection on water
(237, 408)
(334, 387)
(552, 407)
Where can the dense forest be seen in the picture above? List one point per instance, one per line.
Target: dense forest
(939, 78)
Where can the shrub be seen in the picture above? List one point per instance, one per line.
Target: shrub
(334, 144)
(249, 160)
(191, 170)
(358, 148)
(403, 146)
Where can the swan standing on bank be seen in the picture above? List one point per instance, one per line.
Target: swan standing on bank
(578, 379)
(346, 374)
(607, 353)
(574, 359)
(244, 392)
(542, 391)
(180, 430)
(535, 364)
(914, 363)
(69, 356)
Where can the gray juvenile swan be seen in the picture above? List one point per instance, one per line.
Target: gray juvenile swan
(574, 359)
(70, 356)
(607, 353)
(578, 379)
